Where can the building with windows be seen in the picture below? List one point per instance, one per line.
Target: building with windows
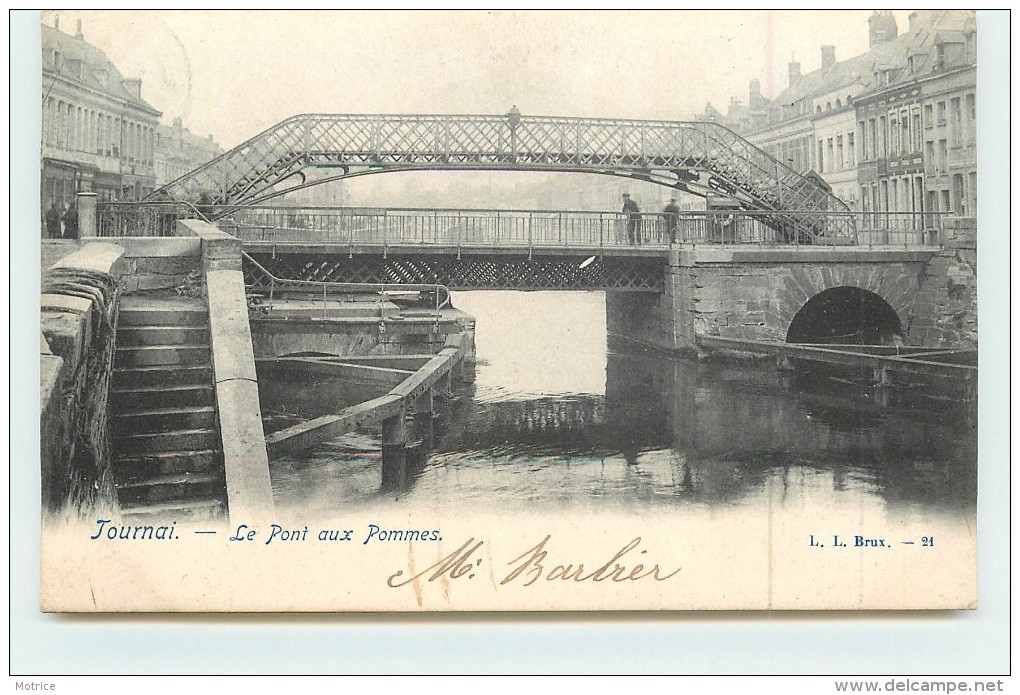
(179, 151)
(98, 133)
(918, 121)
(893, 129)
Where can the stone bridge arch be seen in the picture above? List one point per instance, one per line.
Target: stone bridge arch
(887, 292)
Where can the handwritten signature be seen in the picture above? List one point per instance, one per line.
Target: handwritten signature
(534, 564)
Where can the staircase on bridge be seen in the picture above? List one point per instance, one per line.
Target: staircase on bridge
(166, 447)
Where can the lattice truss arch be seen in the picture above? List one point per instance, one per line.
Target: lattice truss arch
(698, 157)
(497, 272)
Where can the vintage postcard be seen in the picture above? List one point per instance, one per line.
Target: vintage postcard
(508, 311)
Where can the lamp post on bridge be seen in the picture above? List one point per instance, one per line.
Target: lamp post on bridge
(513, 119)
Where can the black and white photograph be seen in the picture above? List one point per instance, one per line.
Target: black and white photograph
(435, 311)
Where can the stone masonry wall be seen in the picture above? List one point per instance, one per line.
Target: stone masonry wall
(79, 302)
(754, 294)
(946, 311)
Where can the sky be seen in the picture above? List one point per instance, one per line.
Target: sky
(235, 73)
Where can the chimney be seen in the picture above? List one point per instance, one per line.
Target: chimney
(881, 28)
(77, 33)
(56, 22)
(794, 72)
(754, 98)
(177, 123)
(828, 57)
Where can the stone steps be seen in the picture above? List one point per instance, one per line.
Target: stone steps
(212, 510)
(187, 315)
(154, 377)
(140, 336)
(126, 399)
(161, 356)
(140, 421)
(163, 442)
(170, 487)
(143, 466)
(167, 460)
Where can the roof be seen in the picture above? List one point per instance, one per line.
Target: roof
(933, 26)
(94, 61)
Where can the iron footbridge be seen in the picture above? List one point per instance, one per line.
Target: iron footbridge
(701, 158)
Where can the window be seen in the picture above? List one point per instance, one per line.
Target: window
(838, 104)
(904, 132)
(833, 164)
(959, 194)
(851, 152)
(894, 136)
(873, 139)
(884, 144)
(929, 116)
(942, 113)
(929, 156)
(916, 139)
(943, 160)
(971, 118)
(840, 163)
(821, 160)
(956, 122)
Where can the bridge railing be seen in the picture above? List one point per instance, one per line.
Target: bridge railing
(264, 288)
(530, 229)
(148, 218)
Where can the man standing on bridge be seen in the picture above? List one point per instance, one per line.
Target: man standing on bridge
(633, 219)
(672, 215)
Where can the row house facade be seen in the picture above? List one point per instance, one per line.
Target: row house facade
(893, 129)
(179, 151)
(917, 126)
(98, 134)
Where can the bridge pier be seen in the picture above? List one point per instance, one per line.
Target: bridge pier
(395, 436)
(755, 293)
(424, 417)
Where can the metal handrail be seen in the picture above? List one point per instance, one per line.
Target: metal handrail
(351, 287)
(421, 227)
(143, 218)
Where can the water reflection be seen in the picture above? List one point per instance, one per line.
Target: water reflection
(661, 432)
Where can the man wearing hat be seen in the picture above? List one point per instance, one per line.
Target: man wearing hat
(672, 215)
(633, 219)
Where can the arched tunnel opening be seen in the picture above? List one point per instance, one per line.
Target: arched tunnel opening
(845, 315)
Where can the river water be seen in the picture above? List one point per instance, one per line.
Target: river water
(559, 418)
